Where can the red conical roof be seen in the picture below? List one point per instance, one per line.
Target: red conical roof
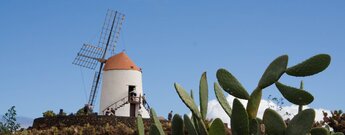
(120, 62)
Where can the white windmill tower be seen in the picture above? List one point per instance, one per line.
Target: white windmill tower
(122, 79)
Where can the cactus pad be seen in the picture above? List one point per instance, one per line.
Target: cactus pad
(274, 123)
(222, 99)
(254, 127)
(203, 95)
(254, 103)
(231, 85)
(154, 130)
(337, 133)
(187, 100)
(310, 66)
(274, 71)
(156, 122)
(202, 128)
(177, 125)
(189, 125)
(301, 124)
(294, 95)
(239, 119)
(217, 127)
(319, 131)
(140, 125)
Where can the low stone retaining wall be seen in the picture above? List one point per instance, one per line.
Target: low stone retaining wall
(66, 121)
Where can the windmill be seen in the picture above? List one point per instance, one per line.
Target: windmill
(89, 56)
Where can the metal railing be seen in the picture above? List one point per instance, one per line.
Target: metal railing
(133, 100)
(122, 101)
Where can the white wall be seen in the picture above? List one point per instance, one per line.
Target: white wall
(115, 87)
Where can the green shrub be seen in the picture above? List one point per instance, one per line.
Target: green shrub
(49, 113)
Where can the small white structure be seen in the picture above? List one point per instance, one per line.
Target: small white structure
(122, 87)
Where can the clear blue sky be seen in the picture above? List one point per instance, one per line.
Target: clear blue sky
(173, 41)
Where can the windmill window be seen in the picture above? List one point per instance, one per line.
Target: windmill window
(131, 90)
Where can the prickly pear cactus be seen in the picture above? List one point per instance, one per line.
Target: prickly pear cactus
(301, 87)
(274, 123)
(337, 133)
(311, 66)
(273, 72)
(187, 100)
(177, 126)
(319, 131)
(244, 120)
(239, 119)
(302, 123)
(222, 99)
(189, 125)
(294, 95)
(231, 85)
(203, 92)
(217, 127)
(254, 103)
(157, 124)
(254, 127)
(154, 130)
(140, 126)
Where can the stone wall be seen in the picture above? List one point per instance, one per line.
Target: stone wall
(66, 121)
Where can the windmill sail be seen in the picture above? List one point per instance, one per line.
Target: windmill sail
(111, 30)
(94, 88)
(89, 55)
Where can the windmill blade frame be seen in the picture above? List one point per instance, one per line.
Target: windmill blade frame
(94, 88)
(111, 30)
(88, 56)
(113, 33)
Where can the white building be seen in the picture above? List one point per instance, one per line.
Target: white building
(121, 79)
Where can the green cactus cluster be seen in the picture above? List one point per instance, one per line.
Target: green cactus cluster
(244, 119)
(197, 124)
(180, 126)
(301, 124)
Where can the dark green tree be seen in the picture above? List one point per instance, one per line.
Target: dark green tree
(9, 124)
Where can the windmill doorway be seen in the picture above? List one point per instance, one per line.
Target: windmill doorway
(131, 98)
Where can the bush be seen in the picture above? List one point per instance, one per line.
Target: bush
(86, 110)
(49, 113)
